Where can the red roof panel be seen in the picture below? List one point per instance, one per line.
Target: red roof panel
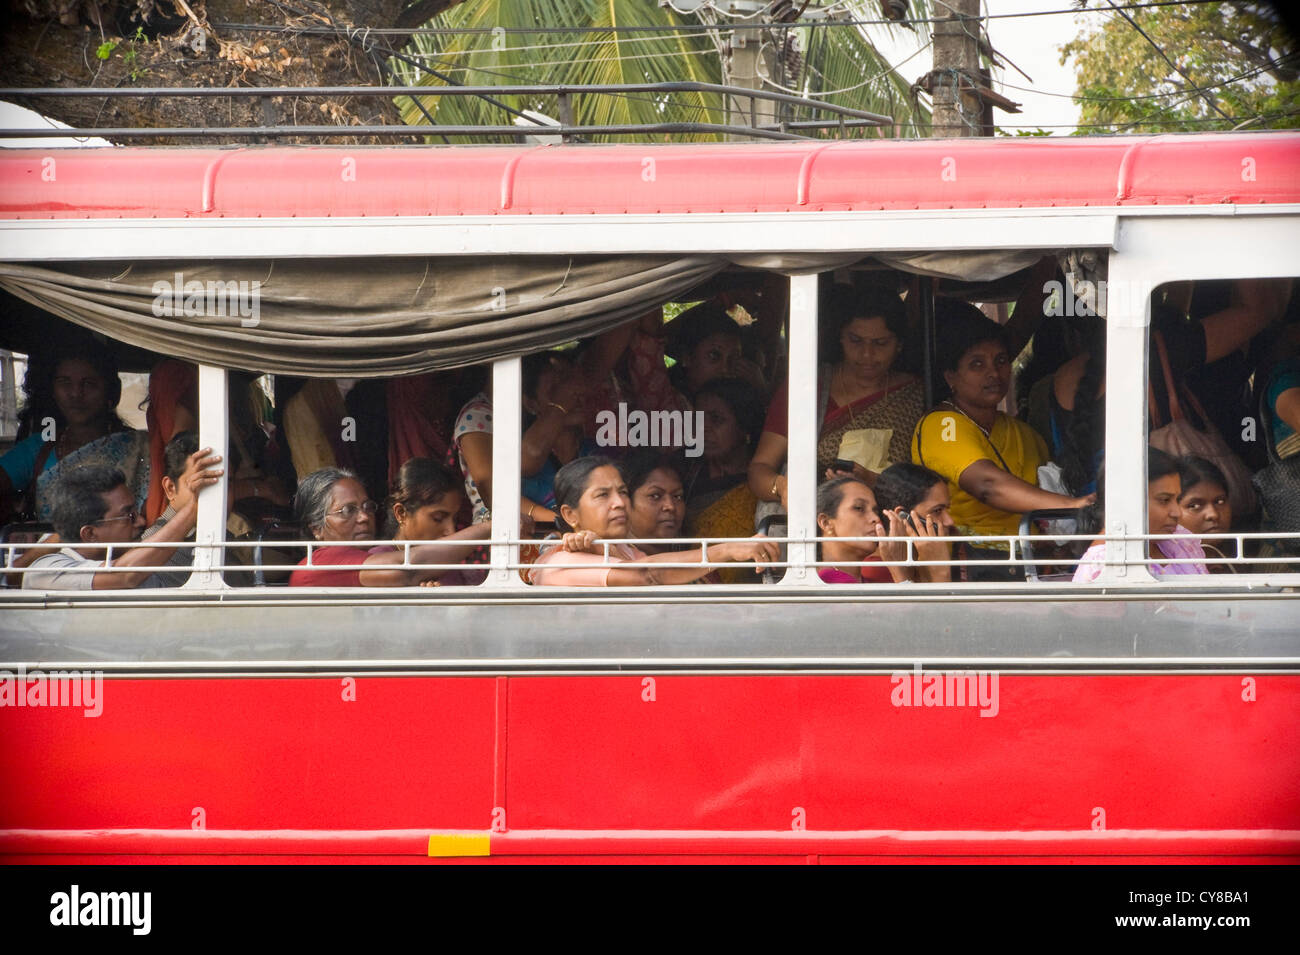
(268, 181)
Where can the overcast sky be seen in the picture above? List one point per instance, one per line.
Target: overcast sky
(1032, 43)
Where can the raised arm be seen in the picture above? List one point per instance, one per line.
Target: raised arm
(200, 472)
(1256, 304)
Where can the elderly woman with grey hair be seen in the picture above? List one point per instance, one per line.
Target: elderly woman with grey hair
(333, 506)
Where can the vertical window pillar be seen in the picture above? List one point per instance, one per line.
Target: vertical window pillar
(801, 455)
(507, 431)
(214, 432)
(1128, 318)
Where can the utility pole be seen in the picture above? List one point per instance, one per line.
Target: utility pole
(957, 110)
(744, 64)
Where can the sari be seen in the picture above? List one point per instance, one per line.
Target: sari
(172, 383)
(127, 451)
(895, 410)
(724, 513)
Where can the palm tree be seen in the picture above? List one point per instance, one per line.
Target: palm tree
(837, 64)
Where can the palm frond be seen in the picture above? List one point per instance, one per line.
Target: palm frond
(838, 63)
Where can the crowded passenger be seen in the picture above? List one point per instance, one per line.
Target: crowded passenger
(915, 502)
(1278, 481)
(656, 501)
(333, 506)
(1077, 418)
(1206, 509)
(175, 459)
(976, 470)
(989, 459)
(706, 344)
(1164, 486)
(423, 506)
(554, 397)
(866, 406)
(69, 420)
(846, 508)
(593, 506)
(92, 507)
(719, 502)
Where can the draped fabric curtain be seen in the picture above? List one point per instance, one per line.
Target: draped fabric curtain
(362, 317)
(387, 316)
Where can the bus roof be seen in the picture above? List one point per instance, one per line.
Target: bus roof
(803, 176)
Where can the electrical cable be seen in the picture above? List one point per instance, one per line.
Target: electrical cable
(661, 28)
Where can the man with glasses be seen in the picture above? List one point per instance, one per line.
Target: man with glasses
(92, 507)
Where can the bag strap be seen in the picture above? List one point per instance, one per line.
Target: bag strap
(1171, 389)
(1195, 403)
(1174, 390)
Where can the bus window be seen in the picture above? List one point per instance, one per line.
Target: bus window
(1220, 354)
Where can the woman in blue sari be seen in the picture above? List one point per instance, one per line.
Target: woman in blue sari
(69, 420)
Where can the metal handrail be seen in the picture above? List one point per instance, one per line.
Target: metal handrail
(848, 117)
(11, 550)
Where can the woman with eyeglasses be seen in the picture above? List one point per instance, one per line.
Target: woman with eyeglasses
(334, 507)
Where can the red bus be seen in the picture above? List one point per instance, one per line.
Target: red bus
(1134, 718)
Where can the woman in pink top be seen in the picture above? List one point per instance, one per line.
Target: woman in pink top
(1164, 486)
(592, 500)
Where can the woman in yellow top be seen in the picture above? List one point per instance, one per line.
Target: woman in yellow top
(989, 459)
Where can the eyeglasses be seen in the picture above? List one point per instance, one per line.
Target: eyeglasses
(130, 515)
(349, 512)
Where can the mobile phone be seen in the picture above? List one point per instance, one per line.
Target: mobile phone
(909, 518)
(840, 464)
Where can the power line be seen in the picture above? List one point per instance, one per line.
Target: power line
(694, 27)
(848, 89)
(697, 107)
(550, 63)
(1118, 126)
(1248, 74)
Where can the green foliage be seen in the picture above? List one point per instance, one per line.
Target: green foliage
(830, 59)
(131, 56)
(1236, 55)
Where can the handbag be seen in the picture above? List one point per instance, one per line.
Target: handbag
(1278, 484)
(1180, 436)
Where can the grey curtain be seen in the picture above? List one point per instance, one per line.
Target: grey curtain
(361, 317)
(386, 316)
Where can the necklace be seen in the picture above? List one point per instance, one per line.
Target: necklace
(843, 376)
(955, 407)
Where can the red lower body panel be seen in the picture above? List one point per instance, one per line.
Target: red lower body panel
(1140, 768)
